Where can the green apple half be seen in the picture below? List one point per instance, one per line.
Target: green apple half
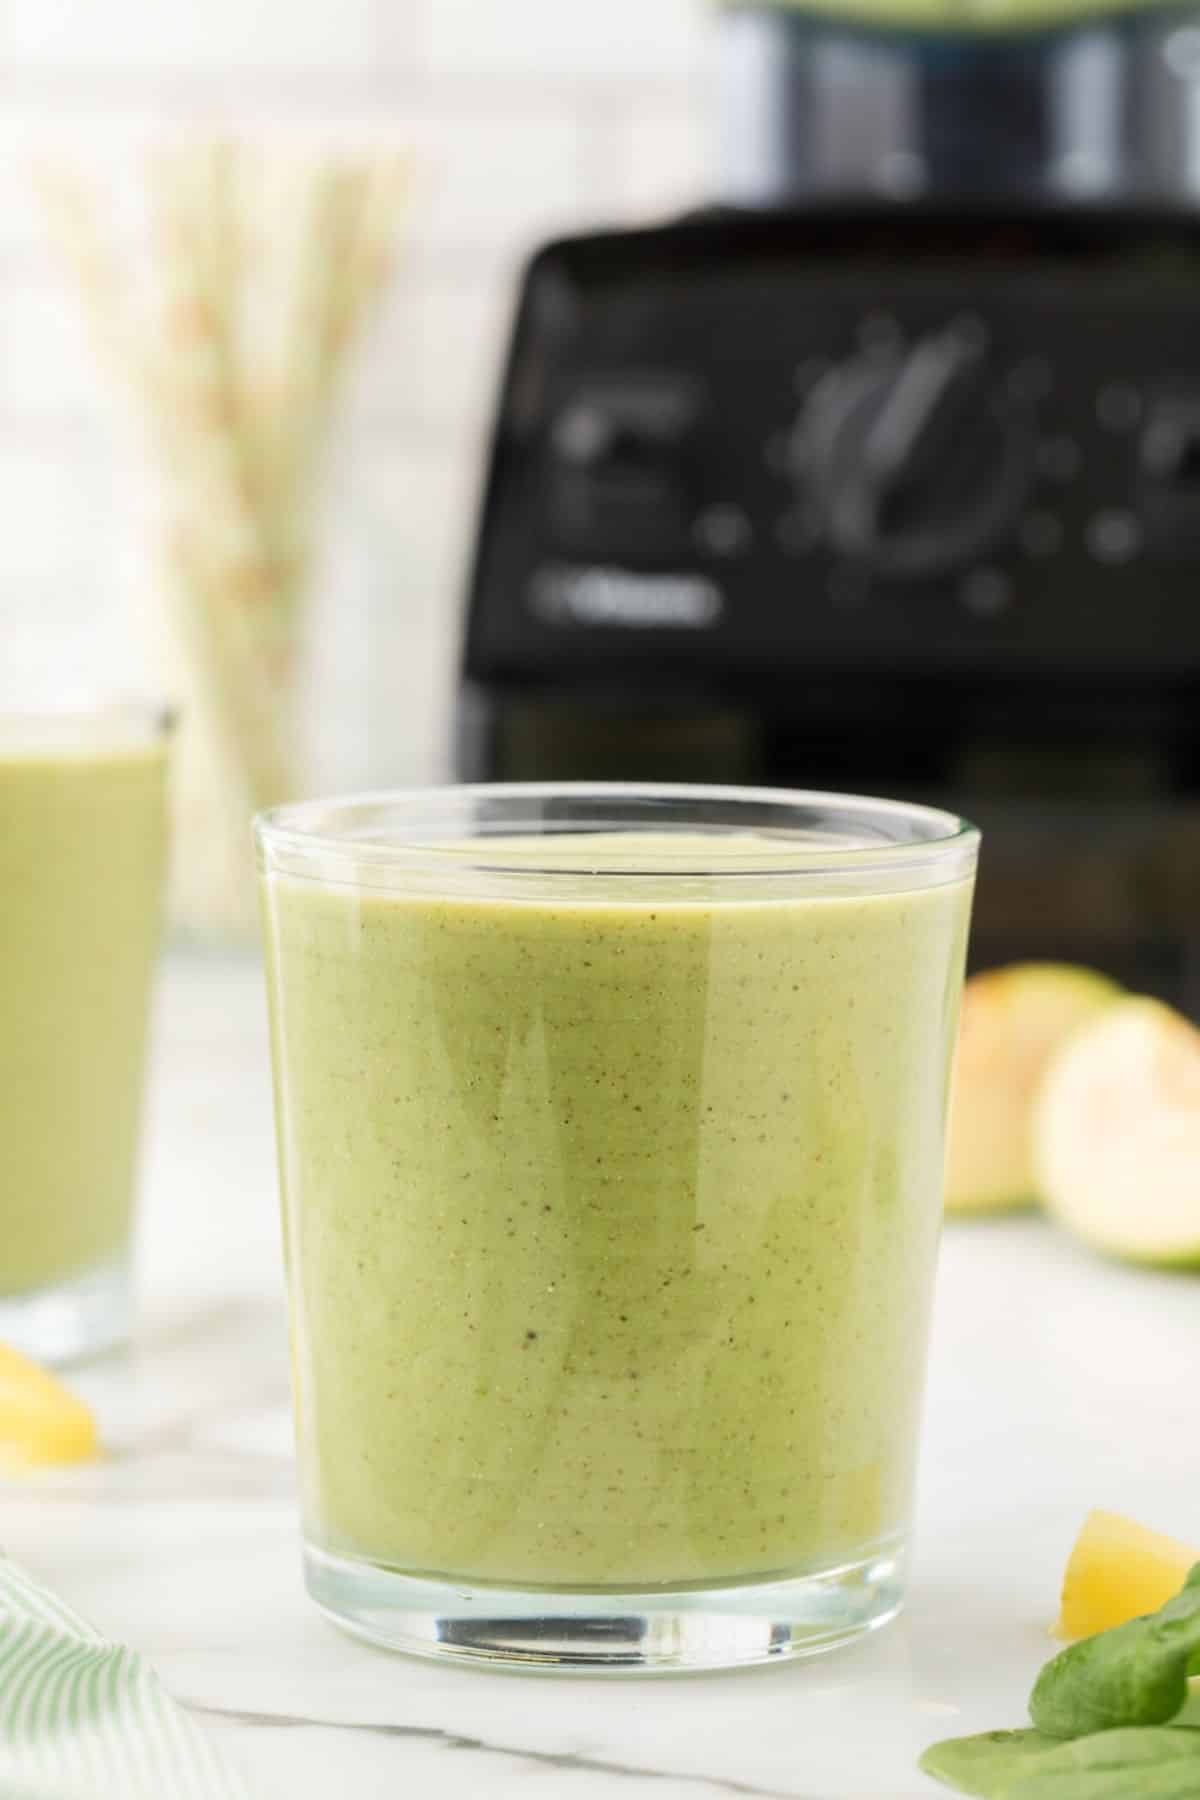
(1117, 1134)
(1013, 1022)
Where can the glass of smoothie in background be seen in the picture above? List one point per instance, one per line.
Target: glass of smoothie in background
(611, 1138)
(82, 855)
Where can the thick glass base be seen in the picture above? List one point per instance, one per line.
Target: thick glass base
(75, 1318)
(668, 1630)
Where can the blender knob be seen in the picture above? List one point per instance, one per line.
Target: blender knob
(913, 460)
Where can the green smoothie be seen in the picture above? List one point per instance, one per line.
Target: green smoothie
(610, 1225)
(82, 844)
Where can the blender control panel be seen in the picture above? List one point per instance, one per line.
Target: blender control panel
(910, 440)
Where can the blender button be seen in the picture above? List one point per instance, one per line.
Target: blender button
(1114, 536)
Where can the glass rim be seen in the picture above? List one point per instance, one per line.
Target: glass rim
(315, 839)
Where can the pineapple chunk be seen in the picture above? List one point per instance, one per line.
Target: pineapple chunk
(40, 1422)
(1117, 1571)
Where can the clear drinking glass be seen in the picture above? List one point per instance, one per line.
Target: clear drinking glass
(611, 1133)
(82, 854)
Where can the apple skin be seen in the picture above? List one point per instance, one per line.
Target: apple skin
(1117, 1135)
(1014, 1020)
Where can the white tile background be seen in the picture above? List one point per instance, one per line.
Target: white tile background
(525, 117)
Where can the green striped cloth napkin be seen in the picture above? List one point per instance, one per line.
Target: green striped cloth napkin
(84, 1719)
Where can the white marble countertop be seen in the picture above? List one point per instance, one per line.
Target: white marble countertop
(1058, 1383)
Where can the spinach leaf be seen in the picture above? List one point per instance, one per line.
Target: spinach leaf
(1190, 1712)
(1153, 1762)
(986, 1764)
(1135, 1674)
(1100, 1711)
(1147, 1761)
